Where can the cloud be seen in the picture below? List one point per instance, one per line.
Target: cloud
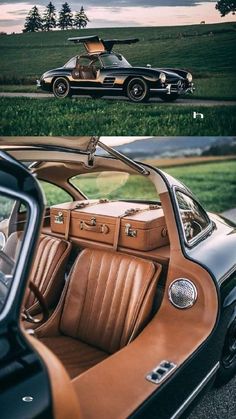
(118, 3)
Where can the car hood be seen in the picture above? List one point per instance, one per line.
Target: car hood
(170, 74)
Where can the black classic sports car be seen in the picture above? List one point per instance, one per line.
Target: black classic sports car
(110, 307)
(101, 71)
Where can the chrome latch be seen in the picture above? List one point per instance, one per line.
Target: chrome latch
(129, 231)
(59, 219)
(161, 371)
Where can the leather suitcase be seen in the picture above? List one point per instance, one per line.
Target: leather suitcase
(118, 223)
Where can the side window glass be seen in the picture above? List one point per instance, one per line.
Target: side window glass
(54, 194)
(194, 219)
(6, 208)
(10, 250)
(71, 63)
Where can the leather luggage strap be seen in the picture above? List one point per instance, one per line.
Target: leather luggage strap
(129, 212)
(79, 205)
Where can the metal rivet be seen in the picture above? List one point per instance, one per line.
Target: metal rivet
(27, 399)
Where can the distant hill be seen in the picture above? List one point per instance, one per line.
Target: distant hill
(173, 147)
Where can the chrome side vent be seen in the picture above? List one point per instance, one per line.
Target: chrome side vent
(109, 81)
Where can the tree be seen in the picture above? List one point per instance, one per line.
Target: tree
(33, 21)
(65, 20)
(81, 19)
(226, 6)
(49, 17)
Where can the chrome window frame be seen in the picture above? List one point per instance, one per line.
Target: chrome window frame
(204, 233)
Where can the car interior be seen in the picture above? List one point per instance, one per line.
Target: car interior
(100, 290)
(87, 68)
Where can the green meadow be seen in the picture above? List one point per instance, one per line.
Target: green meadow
(205, 50)
(25, 116)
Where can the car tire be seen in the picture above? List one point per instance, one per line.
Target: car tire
(61, 88)
(228, 359)
(137, 90)
(169, 98)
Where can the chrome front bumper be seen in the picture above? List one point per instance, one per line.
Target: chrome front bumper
(180, 89)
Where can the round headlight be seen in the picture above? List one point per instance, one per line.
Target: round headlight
(162, 77)
(189, 77)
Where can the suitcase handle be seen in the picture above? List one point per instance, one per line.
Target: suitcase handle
(103, 228)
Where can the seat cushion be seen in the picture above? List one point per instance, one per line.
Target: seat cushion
(109, 298)
(76, 356)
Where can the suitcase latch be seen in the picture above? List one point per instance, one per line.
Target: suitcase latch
(59, 219)
(129, 231)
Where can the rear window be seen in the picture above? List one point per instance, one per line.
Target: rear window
(54, 194)
(115, 185)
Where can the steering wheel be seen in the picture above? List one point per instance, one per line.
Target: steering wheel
(44, 309)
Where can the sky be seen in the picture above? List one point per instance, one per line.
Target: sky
(119, 13)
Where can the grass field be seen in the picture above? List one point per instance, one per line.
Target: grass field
(24, 116)
(206, 50)
(214, 184)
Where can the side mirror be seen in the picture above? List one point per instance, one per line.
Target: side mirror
(149, 65)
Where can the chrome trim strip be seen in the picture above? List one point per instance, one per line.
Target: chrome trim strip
(95, 88)
(227, 274)
(131, 163)
(163, 90)
(204, 233)
(194, 394)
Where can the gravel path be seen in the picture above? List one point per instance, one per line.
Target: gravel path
(180, 102)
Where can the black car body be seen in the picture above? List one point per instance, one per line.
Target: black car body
(102, 72)
(190, 340)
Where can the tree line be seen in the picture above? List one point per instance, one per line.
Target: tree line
(50, 19)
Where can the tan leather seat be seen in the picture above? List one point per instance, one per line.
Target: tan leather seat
(107, 303)
(48, 268)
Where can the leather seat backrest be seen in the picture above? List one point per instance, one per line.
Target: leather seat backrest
(48, 267)
(86, 72)
(109, 298)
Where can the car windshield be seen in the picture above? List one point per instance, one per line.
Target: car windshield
(114, 60)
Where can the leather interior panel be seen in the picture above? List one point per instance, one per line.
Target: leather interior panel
(75, 355)
(172, 334)
(160, 254)
(64, 399)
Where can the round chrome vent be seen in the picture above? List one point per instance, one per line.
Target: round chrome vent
(182, 293)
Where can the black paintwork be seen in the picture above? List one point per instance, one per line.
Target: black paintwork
(22, 373)
(176, 83)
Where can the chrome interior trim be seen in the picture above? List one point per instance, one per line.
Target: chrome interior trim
(124, 159)
(195, 296)
(195, 392)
